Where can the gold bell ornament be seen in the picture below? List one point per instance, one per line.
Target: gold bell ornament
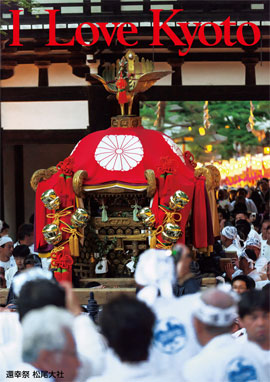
(147, 216)
(50, 200)
(80, 218)
(178, 200)
(171, 232)
(52, 234)
(149, 221)
(144, 213)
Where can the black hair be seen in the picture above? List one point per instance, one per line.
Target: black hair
(25, 230)
(253, 300)
(242, 190)
(5, 226)
(228, 223)
(128, 324)
(21, 251)
(32, 219)
(251, 254)
(39, 293)
(266, 288)
(250, 283)
(243, 228)
(29, 260)
(225, 213)
(240, 208)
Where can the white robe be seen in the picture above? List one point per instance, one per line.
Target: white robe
(233, 248)
(265, 251)
(117, 371)
(225, 359)
(8, 264)
(174, 336)
(9, 274)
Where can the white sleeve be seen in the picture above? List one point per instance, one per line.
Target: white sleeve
(90, 343)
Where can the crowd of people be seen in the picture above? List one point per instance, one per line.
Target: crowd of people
(172, 330)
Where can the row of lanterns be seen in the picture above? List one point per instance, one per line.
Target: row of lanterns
(170, 231)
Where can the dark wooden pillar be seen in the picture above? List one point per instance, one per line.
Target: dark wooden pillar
(176, 66)
(79, 67)
(43, 77)
(250, 74)
(7, 69)
(100, 108)
(19, 185)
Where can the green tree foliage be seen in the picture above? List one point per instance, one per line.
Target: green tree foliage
(183, 119)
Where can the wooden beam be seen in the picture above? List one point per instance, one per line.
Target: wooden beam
(156, 93)
(22, 137)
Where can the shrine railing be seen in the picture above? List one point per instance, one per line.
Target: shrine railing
(78, 11)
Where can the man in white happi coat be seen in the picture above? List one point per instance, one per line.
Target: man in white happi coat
(265, 249)
(254, 317)
(6, 248)
(127, 325)
(228, 235)
(261, 261)
(222, 358)
(174, 336)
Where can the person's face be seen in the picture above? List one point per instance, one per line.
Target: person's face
(264, 226)
(8, 249)
(239, 286)
(29, 266)
(263, 186)
(244, 265)
(257, 325)
(255, 249)
(19, 262)
(29, 240)
(240, 217)
(225, 241)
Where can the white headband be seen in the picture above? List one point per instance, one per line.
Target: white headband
(214, 316)
(253, 242)
(5, 239)
(230, 232)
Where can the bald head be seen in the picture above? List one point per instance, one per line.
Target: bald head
(217, 298)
